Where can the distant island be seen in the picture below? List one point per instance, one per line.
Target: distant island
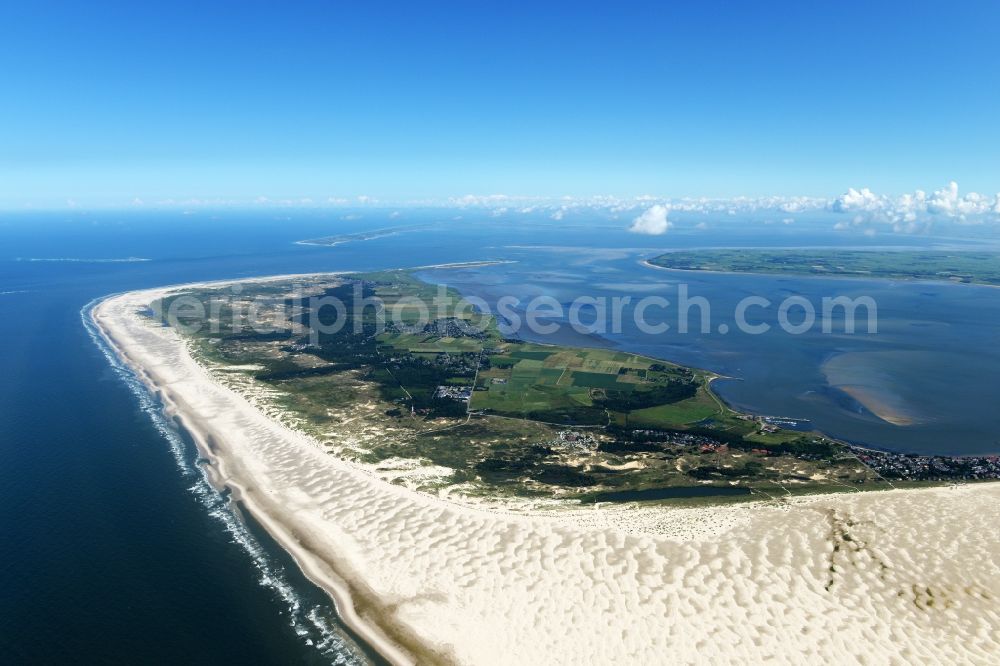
(360, 236)
(972, 267)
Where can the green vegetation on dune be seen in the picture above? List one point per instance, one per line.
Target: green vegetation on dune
(446, 402)
(951, 266)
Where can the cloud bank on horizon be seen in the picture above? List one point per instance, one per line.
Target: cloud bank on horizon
(870, 213)
(917, 211)
(856, 210)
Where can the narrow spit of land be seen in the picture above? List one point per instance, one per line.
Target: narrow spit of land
(966, 267)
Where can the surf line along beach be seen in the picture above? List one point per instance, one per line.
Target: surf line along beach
(888, 576)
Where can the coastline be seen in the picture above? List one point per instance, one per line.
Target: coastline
(218, 469)
(428, 580)
(833, 276)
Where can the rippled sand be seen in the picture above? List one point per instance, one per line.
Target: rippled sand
(889, 577)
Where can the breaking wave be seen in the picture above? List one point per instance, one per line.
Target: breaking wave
(310, 622)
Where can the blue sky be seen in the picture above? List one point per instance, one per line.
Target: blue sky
(106, 102)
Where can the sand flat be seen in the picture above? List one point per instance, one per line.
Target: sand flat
(876, 403)
(851, 373)
(882, 577)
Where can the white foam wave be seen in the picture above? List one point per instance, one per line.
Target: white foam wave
(312, 622)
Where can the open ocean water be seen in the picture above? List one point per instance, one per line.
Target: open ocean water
(114, 548)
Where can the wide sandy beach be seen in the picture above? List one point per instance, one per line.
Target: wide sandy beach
(895, 577)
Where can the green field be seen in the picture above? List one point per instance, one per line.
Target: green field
(951, 266)
(681, 413)
(578, 386)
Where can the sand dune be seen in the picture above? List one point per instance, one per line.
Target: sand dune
(889, 577)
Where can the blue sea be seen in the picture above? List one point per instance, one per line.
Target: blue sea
(116, 550)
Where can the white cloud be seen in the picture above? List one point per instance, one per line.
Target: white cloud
(917, 211)
(652, 222)
(479, 200)
(858, 208)
(745, 205)
(853, 199)
(799, 204)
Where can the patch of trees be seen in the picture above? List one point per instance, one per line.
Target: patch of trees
(253, 336)
(298, 372)
(507, 469)
(561, 475)
(663, 394)
(801, 446)
(713, 472)
(446, 407)
(350, 349)
(420, 378)
(511, 464)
